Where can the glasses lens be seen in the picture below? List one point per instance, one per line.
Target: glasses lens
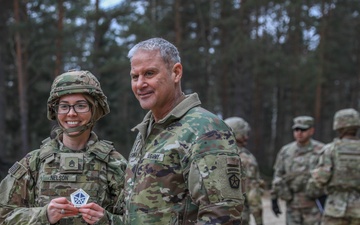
(62, 108)
(81, 107)
(78, 108)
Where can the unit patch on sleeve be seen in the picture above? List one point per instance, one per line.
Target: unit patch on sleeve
(234, 181)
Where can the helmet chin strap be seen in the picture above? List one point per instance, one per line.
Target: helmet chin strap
(79, 130)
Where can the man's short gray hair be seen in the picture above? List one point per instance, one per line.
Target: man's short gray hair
(168, 51)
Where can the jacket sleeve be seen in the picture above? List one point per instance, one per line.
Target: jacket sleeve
(279, 171)
(17, 204)
(214, 180)
(255, 193)
(321, 175)
(115, 176)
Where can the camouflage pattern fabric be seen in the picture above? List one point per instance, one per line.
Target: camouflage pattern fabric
(291, 174)
(73, 82)
(303, 122)
(338, 172)
(41, 176)
(184, 169)
(253, 186)
(303, 216)
(346, 118)
(327, 220)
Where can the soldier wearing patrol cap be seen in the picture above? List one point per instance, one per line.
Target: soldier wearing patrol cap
(338, 171)
(291, 173)
(253, 185)
(73, 178)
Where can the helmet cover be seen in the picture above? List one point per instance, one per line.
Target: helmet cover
(346, 118)
(239, 126)
(75, 82)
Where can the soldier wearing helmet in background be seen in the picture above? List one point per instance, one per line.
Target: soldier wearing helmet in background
(338, 171)
(292, 172)
(37, 189)
(253, 184)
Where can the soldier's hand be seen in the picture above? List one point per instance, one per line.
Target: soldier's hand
(275, 207)
(59, 208)
(92, 212)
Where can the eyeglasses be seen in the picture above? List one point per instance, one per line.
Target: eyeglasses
(301, 129)
(78, 108)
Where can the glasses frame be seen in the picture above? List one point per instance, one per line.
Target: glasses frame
(56, 107)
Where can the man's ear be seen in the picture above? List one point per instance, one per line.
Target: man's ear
(177, 72)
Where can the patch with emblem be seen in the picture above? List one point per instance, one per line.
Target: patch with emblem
(14, 168)
(234, 181)
(71, 163)
(79, 198)
(154, 156)
(17, 170)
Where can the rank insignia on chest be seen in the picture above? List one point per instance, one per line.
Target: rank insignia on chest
(71, 163)
(79, 198)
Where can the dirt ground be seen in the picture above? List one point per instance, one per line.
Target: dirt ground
(268, 215)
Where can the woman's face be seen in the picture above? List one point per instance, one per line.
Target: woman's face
(73, 111)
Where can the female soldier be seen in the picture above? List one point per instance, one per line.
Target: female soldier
(73, 161)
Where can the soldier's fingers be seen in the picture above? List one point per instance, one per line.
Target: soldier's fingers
(53, 214)
(92, 211)
(60, 200)
(92, 207)
(90, 219)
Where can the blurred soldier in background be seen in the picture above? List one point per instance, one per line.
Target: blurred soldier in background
(37, 189)
(253, 184)
(338, 171)
(291, 173)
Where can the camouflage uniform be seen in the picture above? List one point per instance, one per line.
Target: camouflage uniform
(54, 170)
(253, 188)
(40, 177)
(291, 173)
(253, 184)
(184, 169)
(339, 172)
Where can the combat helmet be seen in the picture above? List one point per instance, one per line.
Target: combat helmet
(239, 126)
(346, 118)
(75, 82)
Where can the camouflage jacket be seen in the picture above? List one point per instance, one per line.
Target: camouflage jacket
(253, 185)
(25, 191)
(292, 172)
(338, 171)
(184, 169)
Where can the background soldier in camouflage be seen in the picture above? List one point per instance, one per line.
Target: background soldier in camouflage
(253, 183)
(338, 171)
(38, 187)
(291, 173)
(184, 167)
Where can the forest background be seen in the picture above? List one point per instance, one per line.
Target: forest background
(264, 60)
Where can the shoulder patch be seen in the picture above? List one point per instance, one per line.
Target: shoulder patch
(17, 170)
